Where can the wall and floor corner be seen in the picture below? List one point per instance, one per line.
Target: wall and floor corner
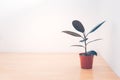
(109, 9)
(36, 25)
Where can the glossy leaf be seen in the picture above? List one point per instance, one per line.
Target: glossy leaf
(95, 28)
(78, 45)
(92, 52)
(78, 26)
(93, 40)
(72, 33)
(84, 40)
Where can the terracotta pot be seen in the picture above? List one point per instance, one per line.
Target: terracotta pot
(86, 61)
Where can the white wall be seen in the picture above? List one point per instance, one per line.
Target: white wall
(36, 25)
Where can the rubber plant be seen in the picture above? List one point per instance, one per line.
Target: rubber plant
(84, 37)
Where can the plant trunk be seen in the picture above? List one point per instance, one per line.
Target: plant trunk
(85, 44)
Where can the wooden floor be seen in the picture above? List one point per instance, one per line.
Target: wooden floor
(33, 66)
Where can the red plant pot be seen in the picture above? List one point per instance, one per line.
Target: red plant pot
(86, 61)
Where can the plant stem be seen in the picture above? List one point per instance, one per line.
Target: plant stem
(85, 43)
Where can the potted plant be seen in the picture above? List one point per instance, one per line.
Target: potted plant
(86, 57)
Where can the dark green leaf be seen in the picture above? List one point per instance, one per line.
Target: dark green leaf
(72, 33)
(84, 40)
(78, 45)
(78, 26)
(95, 28)
(92, 52)
(93, 40)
